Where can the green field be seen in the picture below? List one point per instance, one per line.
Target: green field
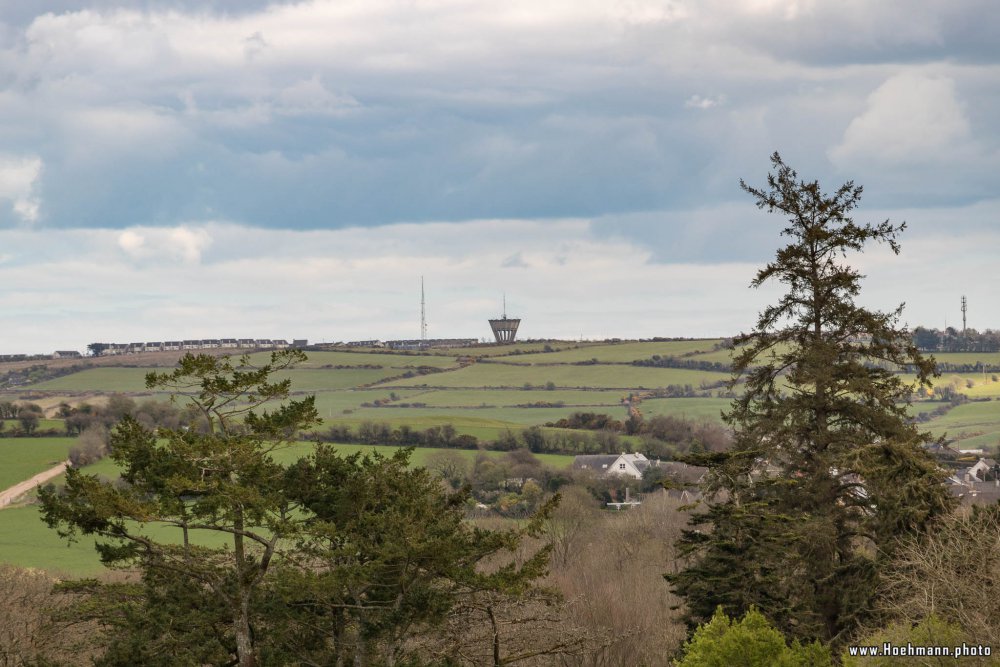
(22, 458)
(400, 360)
(474, 397)
(987, 358)
(969, 426)
(620, 352)
(481, 422)
(110, 379)
(693, 409)
(480, 399)
(973, 385)
(564, 376)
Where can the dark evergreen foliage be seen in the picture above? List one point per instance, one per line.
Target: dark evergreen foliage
(826, 470)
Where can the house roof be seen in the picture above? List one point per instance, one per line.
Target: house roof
(682, 472)
(594, 461)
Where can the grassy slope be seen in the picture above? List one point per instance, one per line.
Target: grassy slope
(25, 540)
(620, 352)
(21, 458)
(564, 376)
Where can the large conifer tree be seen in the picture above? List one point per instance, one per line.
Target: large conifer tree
(826, 471)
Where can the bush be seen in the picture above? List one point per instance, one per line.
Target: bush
(91, 446)
(750, 642)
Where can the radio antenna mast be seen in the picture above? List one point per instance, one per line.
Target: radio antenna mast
(964, 306)
(423, 312)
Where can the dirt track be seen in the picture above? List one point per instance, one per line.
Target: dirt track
(7, 496)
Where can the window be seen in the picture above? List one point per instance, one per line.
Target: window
(621, 466)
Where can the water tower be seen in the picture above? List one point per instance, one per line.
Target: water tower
(504, 328)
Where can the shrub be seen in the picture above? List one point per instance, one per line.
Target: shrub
(91, 446)
(750, 642)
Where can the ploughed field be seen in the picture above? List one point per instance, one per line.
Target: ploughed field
(483, 391)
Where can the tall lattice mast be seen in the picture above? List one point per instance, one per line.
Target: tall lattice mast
(964, 307)
(423, 312)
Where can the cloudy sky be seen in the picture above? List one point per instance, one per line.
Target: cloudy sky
(193, 168)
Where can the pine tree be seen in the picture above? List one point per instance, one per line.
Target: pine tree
(246, 561)
(826, 470)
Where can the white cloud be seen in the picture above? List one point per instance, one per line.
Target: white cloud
(699, 102)
(311, 98)
(911, 118)
(182, 244)
(18, 185)
(145, 283)
(564, 278)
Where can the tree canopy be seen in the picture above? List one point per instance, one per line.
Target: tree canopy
(244, 560)
(826, 470)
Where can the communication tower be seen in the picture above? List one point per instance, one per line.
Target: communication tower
(964, 306)
(504, 328)
(423, 312)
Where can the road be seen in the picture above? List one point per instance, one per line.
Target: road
(7, 496)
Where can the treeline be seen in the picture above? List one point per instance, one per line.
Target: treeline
(953, 340)
(662, 435)
(39, 373)
(26, 418)
(93, 423)
(580, 433)
(656, 361)
(533, 438)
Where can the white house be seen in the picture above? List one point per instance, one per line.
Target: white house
(630, 465)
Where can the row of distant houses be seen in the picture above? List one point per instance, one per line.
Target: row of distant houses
(111, 349)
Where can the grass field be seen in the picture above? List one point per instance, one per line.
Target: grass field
(401, 360)
(695, 409)
(480, 399)
(987, 358)
(973, 385)
(475, 397)
(564, 376)
(27, 542)
(22, 458)
(507, 350)
(969, 426)
(619, 352)
(99, 379)
(480, 422)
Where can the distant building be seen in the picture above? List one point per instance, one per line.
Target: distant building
(365, 343)
(66, 354)
(420, 344)
(504, 328)
(610, 465)
(978, 484)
